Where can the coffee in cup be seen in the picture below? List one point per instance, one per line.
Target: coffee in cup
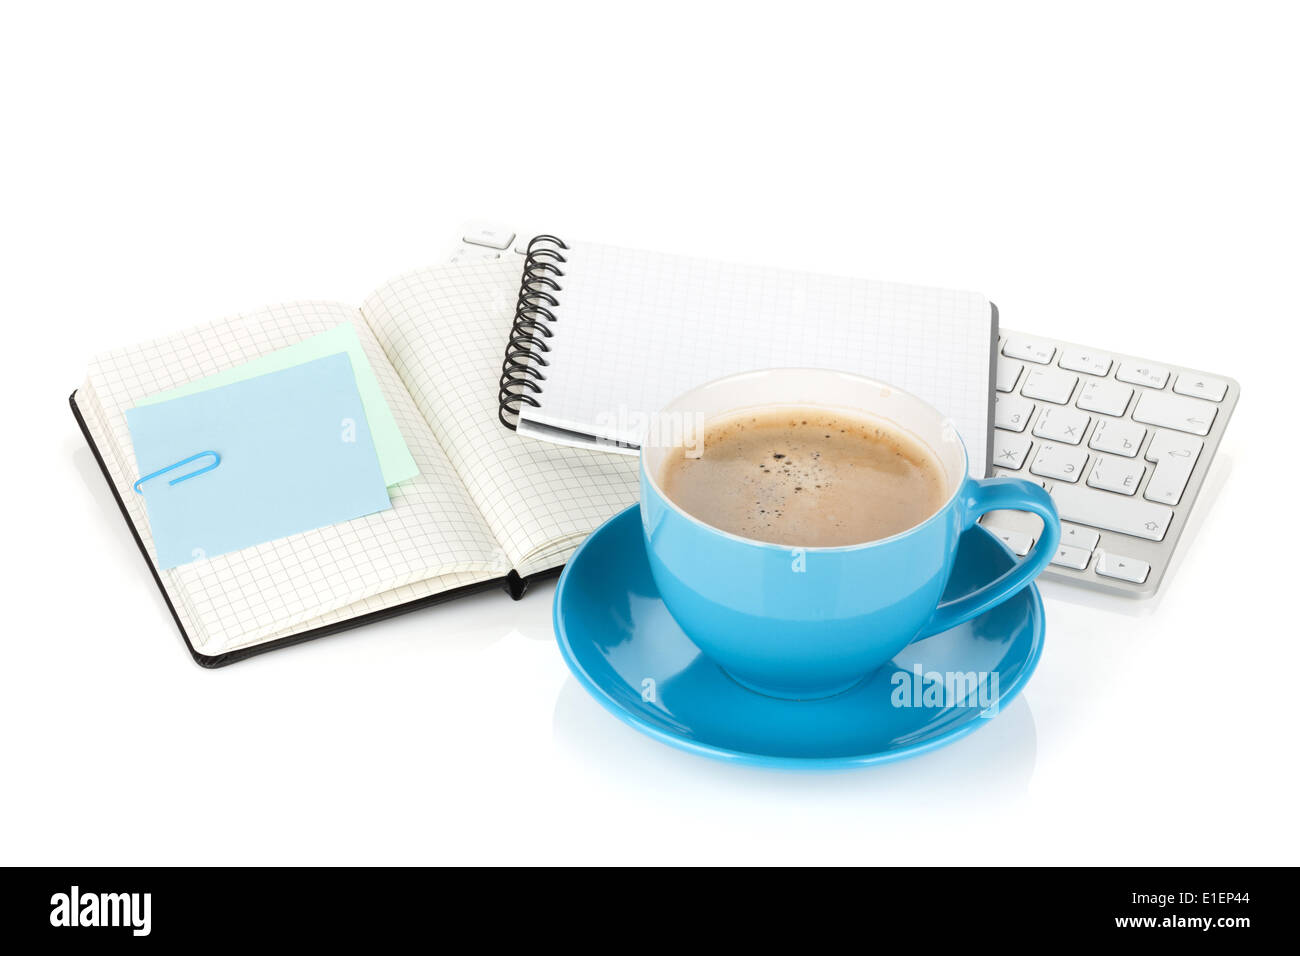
(805, 477)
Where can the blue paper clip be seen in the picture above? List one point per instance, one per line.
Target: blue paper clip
(216, 460)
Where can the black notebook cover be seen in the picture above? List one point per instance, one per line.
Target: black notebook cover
(512, 584)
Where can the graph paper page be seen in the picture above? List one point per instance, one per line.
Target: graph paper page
(635, 329)
(444, 329)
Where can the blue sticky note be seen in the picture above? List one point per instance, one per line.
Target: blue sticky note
(296, 454)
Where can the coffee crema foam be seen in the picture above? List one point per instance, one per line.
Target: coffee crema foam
(806, 477)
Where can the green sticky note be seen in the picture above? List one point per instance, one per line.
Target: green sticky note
(395, 459)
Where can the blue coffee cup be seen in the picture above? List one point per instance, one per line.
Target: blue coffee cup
(804, 623)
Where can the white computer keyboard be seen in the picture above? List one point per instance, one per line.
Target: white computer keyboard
(1123, 444)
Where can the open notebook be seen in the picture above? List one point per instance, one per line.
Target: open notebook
(604, 336)
(485, 510)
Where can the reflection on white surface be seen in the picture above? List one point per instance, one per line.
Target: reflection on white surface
(1054, 591)
(990, 765)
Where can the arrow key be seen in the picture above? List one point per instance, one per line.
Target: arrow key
(1125, 569)
(1068, 556)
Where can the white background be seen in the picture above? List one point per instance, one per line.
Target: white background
(1124, 175)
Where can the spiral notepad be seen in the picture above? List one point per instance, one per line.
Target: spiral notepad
(603, 336)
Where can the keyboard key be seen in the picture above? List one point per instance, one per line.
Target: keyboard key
(1012, 412)
(1142, 373)
(1118, 438)
(1008, 373)
(1060, 461)
(1062, 424)
(1009, 449)
(1119, 566)
(1030, 350)
(1112, 512)
(1084, 360)
(1069, 556)
(1017, 541)
(1175, 456)
(1201, 386)
(1049, 384)
(490, 237)
(1078, 537)
(1116, 474)
(1105, 396)
(1173, 411)
(473, 254)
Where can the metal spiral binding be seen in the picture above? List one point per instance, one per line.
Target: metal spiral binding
(521, 372)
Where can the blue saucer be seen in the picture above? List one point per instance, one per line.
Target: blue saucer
(628, 652)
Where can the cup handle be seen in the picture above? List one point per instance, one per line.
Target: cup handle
(983, 495)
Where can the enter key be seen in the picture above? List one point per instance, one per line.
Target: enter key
(1174, 454)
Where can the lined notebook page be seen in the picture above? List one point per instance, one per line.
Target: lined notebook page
(635, 329)
(431, 539)
(444, 329)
